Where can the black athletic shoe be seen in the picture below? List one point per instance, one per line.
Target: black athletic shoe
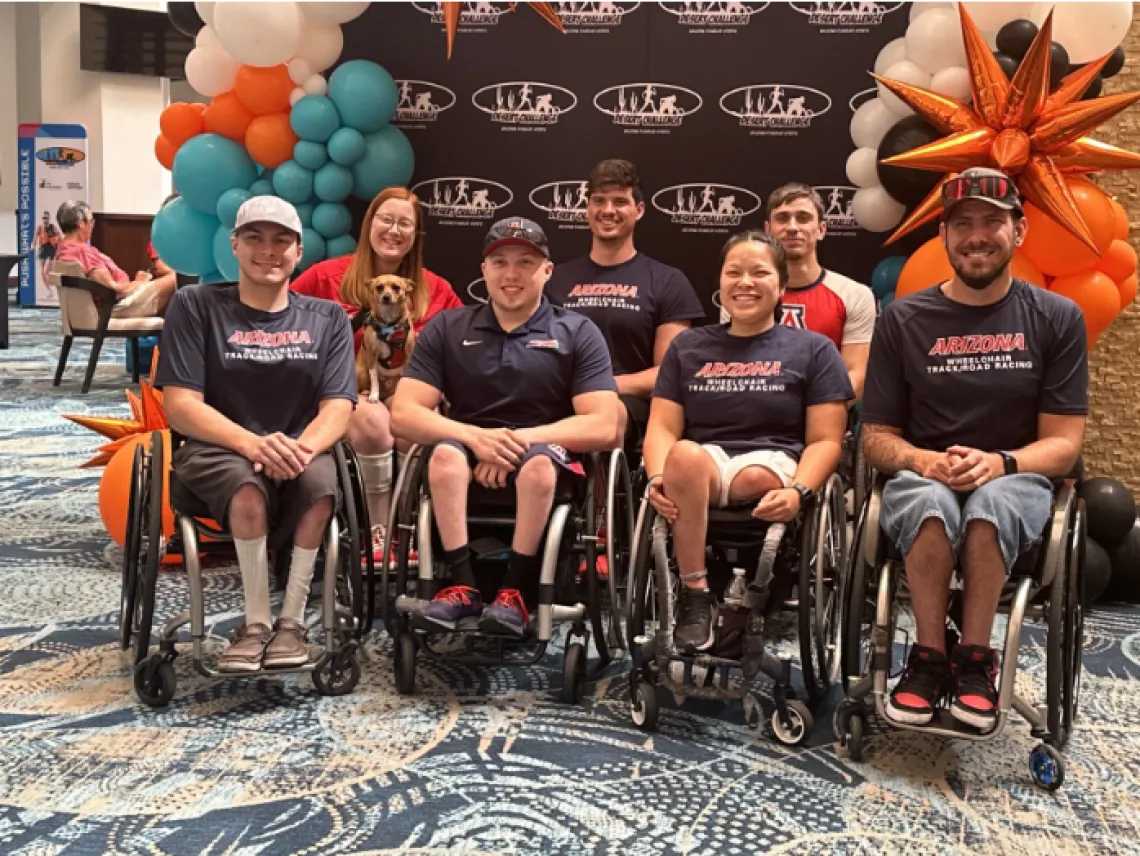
(695, 628)
(975, 696)
(923, 684)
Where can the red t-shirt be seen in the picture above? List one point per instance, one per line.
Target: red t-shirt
(323, 280)
(90, 259)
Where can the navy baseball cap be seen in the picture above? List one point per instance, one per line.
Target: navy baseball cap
(518, 232)
(983, 184)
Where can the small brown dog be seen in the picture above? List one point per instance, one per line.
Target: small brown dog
(388, 338)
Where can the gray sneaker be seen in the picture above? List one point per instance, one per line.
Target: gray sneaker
(247, 650)
(695, 629)
(288, 648)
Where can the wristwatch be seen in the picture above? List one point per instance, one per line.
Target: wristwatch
(1010, 463)
(805, 492)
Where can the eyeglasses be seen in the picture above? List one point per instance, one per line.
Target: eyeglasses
(980, 186)
(387, 221)
(534, 236)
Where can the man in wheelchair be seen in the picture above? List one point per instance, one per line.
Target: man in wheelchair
(261, 382)
(751, 411)
(528, 385)
(976, 398)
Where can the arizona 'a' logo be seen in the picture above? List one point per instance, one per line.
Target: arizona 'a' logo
(775, 105)
(422, 101)
(793, 316)
(713, 14)
(647, 104)
(706, 204)
(522, 102)
(463, 197)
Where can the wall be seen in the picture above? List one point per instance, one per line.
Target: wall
(8, 122)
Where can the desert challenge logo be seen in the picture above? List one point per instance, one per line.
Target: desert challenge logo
(563, 201)
(712, 207)
(862, 97)
(421, 101)
(62, 156)
(462, 200)
(850, 17)
(647, 105)
(473, 17)
(477, 290)
(775, 107)
(714, 15)
(592, 17)
(522, 102)
(838, 205)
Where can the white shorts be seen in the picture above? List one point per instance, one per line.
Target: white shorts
(144, 302)
(781, 464)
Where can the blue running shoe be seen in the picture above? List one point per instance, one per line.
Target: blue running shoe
(506, 615)
(450, 606)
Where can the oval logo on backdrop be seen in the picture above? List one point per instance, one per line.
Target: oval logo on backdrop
(775, 105)
(716, 206)
(463, 197)
(731, 14)
(838, 205)
(477, 290)
(524, 102)
(563, 201)
(647, 104)
(862, 97)
(850, 17)
(421, 101)
(470, 15)
(593, 15)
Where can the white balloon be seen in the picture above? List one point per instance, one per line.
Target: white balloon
(863, 168)
(316, 85)
(904, 72)
(300, 70)
(332, 13)
(871, 121)
(296, 95)
(321, 45)
(934, 41)
(894, 51)
(205, 12)
(953, 82)
(875, 210)
(991, 17)
(1088, 30)
(261, 34)
(210, 73)
(922, 6)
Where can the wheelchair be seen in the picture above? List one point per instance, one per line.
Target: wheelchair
(591, 518)
(853, 468)
(335, 672)
(1046, 583)
(799, 567)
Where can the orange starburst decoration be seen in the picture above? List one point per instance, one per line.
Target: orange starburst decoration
(147, 414)
(1015, 126)
(452, 11)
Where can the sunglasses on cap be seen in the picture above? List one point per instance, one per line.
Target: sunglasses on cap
(517, 230)
(992, 188)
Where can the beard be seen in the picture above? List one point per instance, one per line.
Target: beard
(979, 280)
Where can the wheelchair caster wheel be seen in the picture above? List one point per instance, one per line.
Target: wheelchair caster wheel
(1047, 767)
(405, 664)
(799, 720)
(573, 672)
(644, 709)
(155, 681)
(849, 724)
(337, 674)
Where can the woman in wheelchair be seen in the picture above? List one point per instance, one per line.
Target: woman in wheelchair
(749, 411)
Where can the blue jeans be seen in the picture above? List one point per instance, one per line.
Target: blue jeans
(1018, 506)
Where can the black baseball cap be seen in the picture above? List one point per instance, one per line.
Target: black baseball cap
(518, 232)
(983, 184)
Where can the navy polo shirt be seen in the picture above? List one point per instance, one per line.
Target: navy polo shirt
(521, 379)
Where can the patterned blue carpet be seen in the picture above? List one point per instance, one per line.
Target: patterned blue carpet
(480, 761)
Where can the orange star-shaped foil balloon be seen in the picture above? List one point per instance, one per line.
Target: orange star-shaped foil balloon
(452, 12)
(1015, 126)
(147, 414)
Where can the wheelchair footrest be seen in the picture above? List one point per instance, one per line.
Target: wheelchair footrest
(945, 725)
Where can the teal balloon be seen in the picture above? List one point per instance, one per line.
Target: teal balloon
(312, 248)
(208, 165)
(314, 118)
(332, 183)
(365, 95)
(331, 219)
(183, 237)
(224, 259)
(886, 274)
(346, 146)
(388, 162)
(229, 203)
(887, 299)
(212, 277)
(345, 245)
(292, 182)
(305, 212)
(310, 155)
(261, 187)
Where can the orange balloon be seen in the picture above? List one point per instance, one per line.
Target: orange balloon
(165, 151)
(270, 140)
(1096, 295)
(1023, 268)
(179, 122)
(227, 116)
(199, 106)
(115, 488)
(1127, 287)
(1122, 224)
(1119, 262)
(263, 90)
(1096, 208)
(930, 265)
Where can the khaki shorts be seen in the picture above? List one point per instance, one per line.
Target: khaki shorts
(144, 302)
(781, 464)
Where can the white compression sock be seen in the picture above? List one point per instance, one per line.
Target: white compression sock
(297, 589)
(253, 559)
(376, 473)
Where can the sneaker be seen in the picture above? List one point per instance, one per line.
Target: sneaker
(974, 671)
(506, 615)
(450, 606)
(603, 566)
(922, 686)
(288, 648)
(247, 650)
(695, 629)
(378, 550)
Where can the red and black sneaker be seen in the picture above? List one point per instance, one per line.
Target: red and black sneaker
(921, 688)
(450, 606)
(975, 692)
(506, 614)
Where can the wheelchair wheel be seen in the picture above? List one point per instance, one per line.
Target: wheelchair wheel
(644, 708)
(1047, 767)
(150, 527)
(573, 672)
(356, 539)
(857, 607)
(155, 681)
(405, 664)
(131, 546)
(642, 606)
(1075, 618)
(799, 727)
(849, 723)
(1060, 627)
(619, 542)
(338, 673)
(823, 559)
(405, 509)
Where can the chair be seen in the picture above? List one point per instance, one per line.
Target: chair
(86, 310)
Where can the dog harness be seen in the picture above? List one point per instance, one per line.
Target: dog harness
(396, 336)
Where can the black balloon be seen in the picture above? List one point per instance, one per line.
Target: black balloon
(1058, 64)
(1114, 65)
(1015, 38)
(185, 18)
(1126, 568)
(1094, 89)
(907, 186)
(1097, 571)
(1008, 64)
(1110, 508)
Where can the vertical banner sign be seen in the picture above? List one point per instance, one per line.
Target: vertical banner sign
(52, 168)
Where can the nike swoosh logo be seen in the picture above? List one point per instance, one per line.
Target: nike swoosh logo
(472, 342)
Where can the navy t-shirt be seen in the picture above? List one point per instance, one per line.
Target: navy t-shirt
(628, 302)
(946, 374)
(266, 371)
(750, 393)
(521, 379)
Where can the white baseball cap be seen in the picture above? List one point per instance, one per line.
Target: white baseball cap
(268, 209)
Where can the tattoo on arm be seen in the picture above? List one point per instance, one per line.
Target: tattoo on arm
(886, 451)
